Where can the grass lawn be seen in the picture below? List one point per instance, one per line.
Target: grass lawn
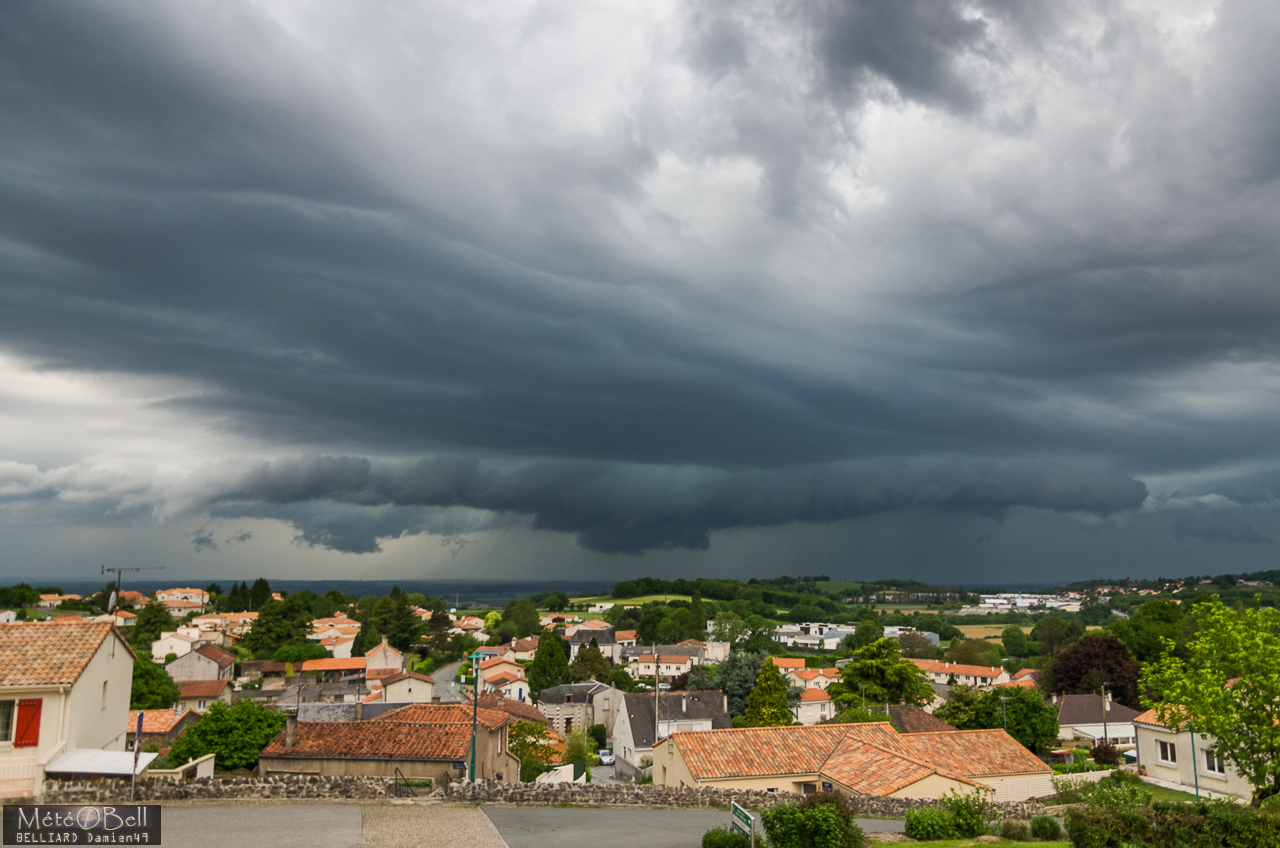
(986, 631)
(1160, 793)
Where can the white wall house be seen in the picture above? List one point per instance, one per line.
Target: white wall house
(64, 686)
(1183, 757)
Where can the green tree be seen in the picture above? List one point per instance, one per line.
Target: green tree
(1055, 633)
(767, 705)
(728, 627)
(492, 621)
(1022, 712)
(278, 623)
(1227, 688)
(879, 674)
(153, 688)
(1016, 643)
(550, 666)
(737, 676)
(367, 639)
(973, 652)
(702, 677)
(260, 593)
(521, 618)
(235, 735)
(152, 620)
(557, 602)
(297, 652)
(869, 630)
(1151, 625)
(960, 708)
(917, 646)
(396, 620)
(697, 617)
(578, 748)
(531, 742)
(591, 663)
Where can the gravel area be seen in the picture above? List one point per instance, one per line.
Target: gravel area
(412, 825)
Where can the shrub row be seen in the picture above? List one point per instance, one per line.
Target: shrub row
(1203, 825)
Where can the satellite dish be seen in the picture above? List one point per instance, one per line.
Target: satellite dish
(111, 603)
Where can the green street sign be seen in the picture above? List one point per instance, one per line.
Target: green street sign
(741, 821)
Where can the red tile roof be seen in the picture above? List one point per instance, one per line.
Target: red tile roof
(201, 688)
(51, 653)
(443, 714)
(767, 751)
(972, 753)
(875, 770)
(940, 667)
(814, 694)
(521, 710)
(353, 664)
(625, 635)
(213, 652)
(407, 675)
(786, 664)
(157, 721)
(375, 740)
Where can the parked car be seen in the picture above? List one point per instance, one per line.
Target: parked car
(606, 756)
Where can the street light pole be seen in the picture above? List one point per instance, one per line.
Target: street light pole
(475, 708)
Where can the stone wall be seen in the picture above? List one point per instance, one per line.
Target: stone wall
(222, 786)
(301, 787)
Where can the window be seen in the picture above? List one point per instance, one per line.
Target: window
(200, 703)
(6, 721)
(1168, 752)
(1213, 763)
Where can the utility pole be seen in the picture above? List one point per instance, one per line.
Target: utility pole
(119, 571)
(1004, 711)
(475, 708)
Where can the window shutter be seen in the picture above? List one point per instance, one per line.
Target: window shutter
(28, 734)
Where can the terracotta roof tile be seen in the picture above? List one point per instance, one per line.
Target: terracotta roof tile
(876, 770)
(766, 751)
(213, 652)
(521, 710)
(406, 675)
(50, 653)
(972, 753)
(443, 714)
(814, 694)
(625, 635)
(201, 688)
(940, 667)
(906, 718)
(788, 664)
(353, 664)
(156, 721)
(383, 740)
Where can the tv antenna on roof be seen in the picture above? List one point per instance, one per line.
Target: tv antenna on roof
(119, 571)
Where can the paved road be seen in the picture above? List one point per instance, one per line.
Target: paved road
(538, 827)
(446, 686)
(253, 825)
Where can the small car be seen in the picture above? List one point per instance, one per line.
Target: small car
(606, 757)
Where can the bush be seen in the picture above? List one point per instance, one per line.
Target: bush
(1016, 830)
(1105, 754)
(822, 820)
(969, 813)
(929, 823)
(1204, 825)
(1046, 827)
(724, 837)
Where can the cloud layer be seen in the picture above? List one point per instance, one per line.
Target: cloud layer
(639, 274)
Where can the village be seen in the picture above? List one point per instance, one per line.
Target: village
(576, 697)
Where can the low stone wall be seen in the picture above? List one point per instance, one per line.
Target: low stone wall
(229, 787)
(284, 787)
(608, 794)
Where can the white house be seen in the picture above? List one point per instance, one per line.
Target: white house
(814, 707)
(64, 687)
(408, 687)
(195, 596)
(1184, 757)
(384, 656)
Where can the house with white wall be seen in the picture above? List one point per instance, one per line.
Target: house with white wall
(64, 687)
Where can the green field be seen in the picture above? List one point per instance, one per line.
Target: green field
(627, 602)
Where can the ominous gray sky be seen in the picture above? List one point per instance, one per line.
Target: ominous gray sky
(968, 292)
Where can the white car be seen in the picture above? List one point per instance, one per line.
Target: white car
(606, 756)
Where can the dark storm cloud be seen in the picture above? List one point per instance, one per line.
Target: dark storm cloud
(199, 192)
(625, 509)
(1216, 527)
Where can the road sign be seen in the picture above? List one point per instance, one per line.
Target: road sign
(742, 821)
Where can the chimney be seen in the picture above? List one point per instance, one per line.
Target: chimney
(1053, 699)
(290, 729)
(726, 701)
(684, 704)
(359, 709)
(435, 699)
